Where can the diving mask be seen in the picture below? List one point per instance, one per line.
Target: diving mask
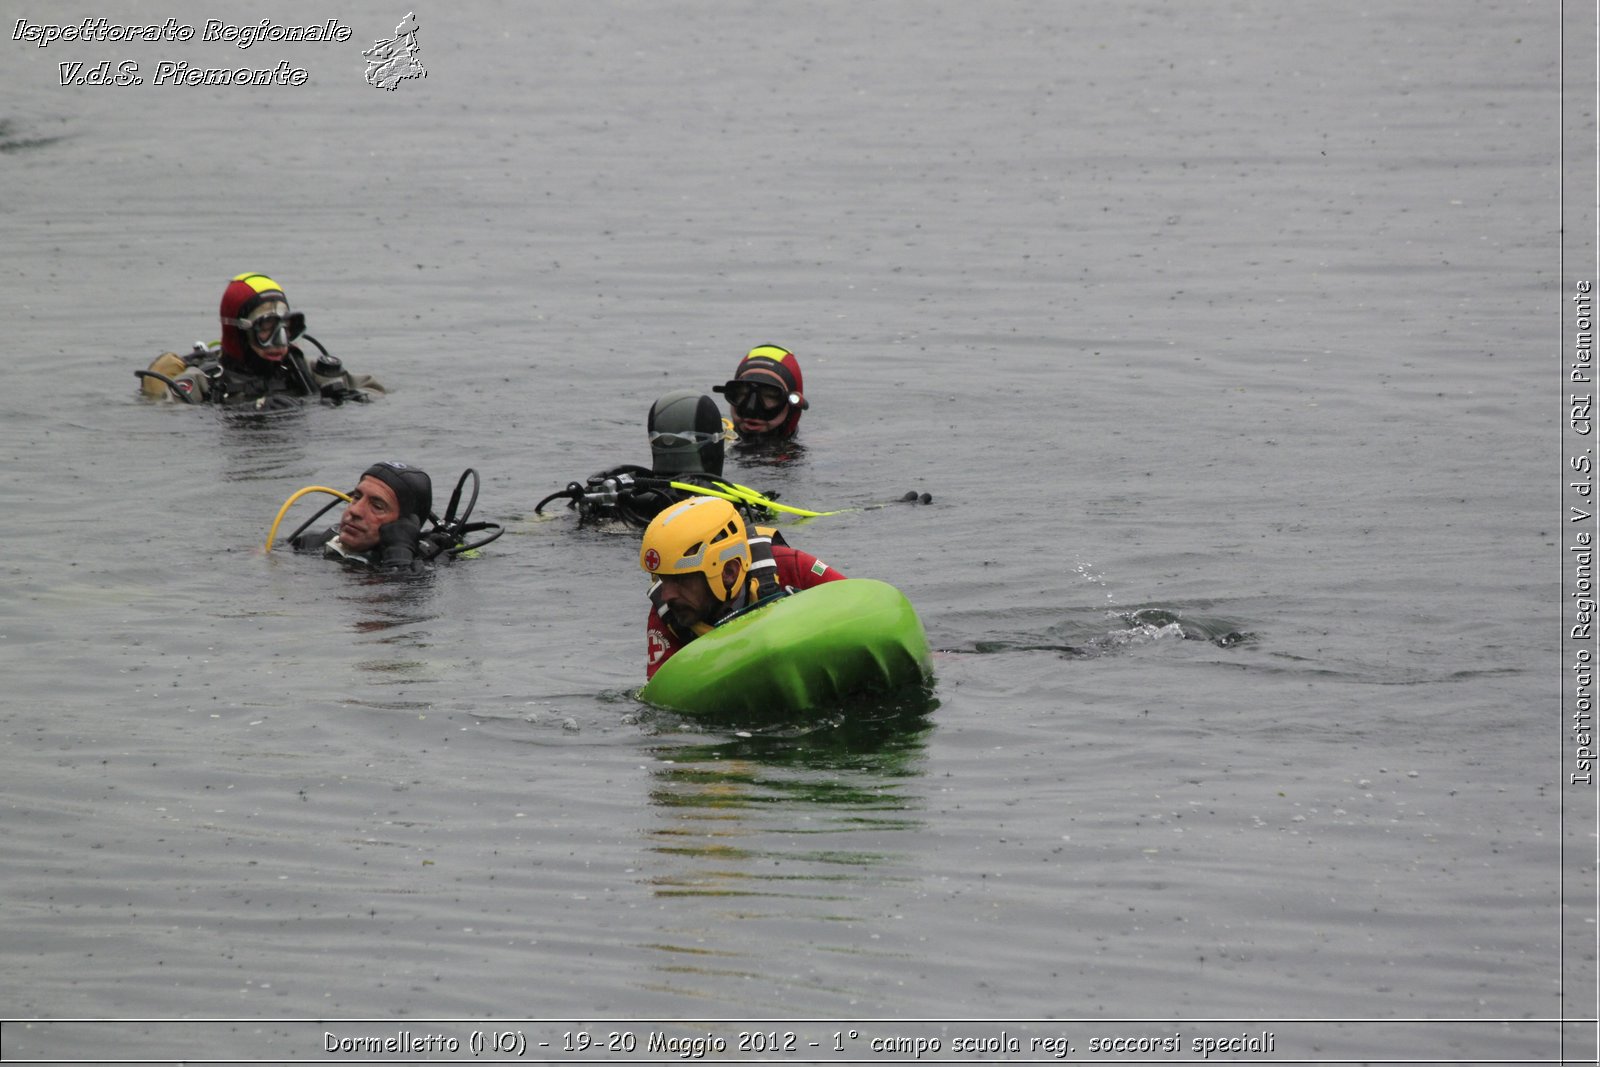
(271, 325)
(683, 438)
(757, 400)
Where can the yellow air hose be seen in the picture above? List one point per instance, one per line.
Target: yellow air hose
(741, 495)
(272, 534)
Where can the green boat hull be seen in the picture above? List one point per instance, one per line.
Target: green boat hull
(816, 648)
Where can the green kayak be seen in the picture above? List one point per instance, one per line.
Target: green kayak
(811, 649)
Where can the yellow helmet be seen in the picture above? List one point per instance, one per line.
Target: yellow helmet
(701, 535)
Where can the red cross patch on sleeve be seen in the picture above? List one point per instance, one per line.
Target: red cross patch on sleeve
(656, 649)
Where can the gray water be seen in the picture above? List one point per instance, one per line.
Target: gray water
(1225, 337)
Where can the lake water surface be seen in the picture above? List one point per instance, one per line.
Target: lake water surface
(1225, 337)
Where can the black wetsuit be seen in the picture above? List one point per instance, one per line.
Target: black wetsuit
(261, 385)
(384, 558)
(633, 494)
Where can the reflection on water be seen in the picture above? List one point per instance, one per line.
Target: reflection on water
(782, 453)
(392, 616)
(14, 137)
(774, 838)
(387, 601)
(257, 446)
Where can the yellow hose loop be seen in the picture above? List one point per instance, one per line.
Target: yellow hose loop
(749, 496)
(272, 534)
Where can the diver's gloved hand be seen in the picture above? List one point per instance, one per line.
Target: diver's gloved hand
(397, 540)
(336, 392)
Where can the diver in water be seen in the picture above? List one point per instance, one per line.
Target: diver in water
(256, 366)
(389, 523)
(687, 436)
(381, 529)
(707, 567)
(766, 395)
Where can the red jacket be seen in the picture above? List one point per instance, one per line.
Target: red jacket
(796, 570)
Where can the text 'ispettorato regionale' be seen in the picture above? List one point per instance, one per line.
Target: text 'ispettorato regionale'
(102, 30)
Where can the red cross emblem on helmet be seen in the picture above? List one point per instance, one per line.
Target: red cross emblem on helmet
(652, 559)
